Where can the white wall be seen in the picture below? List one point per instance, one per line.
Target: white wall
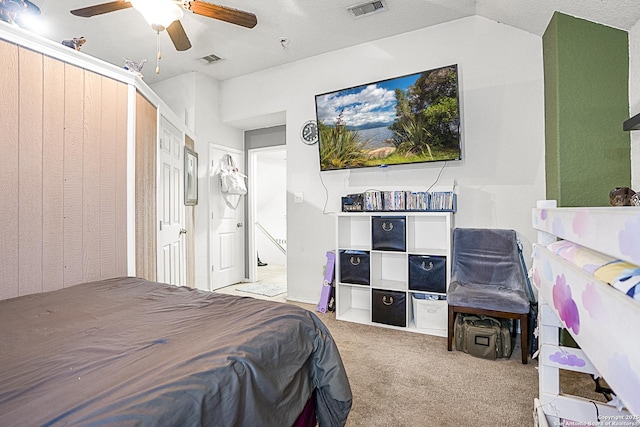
(501, 176)
(195, 98)
(179, 93)
(634, 102)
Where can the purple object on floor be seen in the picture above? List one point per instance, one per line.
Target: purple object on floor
(325, 296)
(307, 417)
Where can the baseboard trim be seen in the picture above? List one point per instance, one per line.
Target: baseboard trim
(304, 301)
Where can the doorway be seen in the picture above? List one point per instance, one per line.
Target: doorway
(267, 215)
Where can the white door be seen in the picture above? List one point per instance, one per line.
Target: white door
(226, 225)
(171, 226)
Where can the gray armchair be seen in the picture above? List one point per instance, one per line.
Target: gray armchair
(487, 278)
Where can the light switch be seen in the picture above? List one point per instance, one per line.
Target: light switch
(298, 197)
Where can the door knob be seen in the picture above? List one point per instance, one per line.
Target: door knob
(183, 231)
(239, 224)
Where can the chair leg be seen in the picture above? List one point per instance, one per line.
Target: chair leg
(524, 337)
(451, 318)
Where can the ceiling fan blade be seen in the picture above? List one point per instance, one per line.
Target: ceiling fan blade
(222, 13)
(178, 36)
(99, 9)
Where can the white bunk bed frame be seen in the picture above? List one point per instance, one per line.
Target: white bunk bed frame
(604, 322)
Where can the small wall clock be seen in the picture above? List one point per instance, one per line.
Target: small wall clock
(309, 132)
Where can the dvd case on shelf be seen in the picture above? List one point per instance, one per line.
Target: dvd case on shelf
(400, 200)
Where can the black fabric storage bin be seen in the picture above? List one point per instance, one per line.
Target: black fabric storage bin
(389, 307)
(388, 233)
(428, 273)
(354, 267)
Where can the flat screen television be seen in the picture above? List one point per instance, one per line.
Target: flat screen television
(408, 119)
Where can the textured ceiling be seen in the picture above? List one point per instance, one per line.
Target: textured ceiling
(312, 27)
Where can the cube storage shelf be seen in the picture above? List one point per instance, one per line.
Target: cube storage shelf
(426, 234)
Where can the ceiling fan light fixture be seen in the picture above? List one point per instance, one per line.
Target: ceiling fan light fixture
(159, 13)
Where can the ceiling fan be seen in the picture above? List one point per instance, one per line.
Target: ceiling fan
(166, 14)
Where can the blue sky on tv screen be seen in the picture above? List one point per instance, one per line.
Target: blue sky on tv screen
(366, 106)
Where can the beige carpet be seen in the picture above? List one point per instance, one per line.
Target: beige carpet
(406, 379)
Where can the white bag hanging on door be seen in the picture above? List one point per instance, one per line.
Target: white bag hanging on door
(232, 182)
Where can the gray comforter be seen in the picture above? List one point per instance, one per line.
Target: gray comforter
(130, 352)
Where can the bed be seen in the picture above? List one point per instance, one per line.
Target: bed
(585, 271)
(132, 352)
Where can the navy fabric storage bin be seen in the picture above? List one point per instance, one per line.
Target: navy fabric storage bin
(427, 273)
(389, 307)
(354, 267)
(388, 233)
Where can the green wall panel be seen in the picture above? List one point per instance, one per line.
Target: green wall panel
(586, 71)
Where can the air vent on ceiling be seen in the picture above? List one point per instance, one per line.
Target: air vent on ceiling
(210, 59)
(367, 8)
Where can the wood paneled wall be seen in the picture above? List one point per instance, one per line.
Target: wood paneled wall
(63, 171)
(146, 199)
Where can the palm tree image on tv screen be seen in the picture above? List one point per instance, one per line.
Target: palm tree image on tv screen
(408, 119)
